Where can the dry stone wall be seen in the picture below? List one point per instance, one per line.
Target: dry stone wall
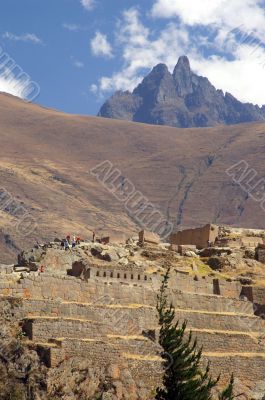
(106, 319)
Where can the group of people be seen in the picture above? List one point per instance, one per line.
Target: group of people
(69, 242)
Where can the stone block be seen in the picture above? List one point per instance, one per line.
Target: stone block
(148, 237)
(184, 248)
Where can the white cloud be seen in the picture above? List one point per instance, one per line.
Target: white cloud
(71, 27)
(100, 46)
(77, 63)
(217, 36)
(235, 24)
(87, 4)
(229, 13)
(141, 53)
(94, 88)
(190, 11)
(244, 77)
(219, 15)
(26, 37)
(11, 84)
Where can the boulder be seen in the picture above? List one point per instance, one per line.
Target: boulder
(250, 253)
(214, 251)
(124, 261)
(110, 255)
(190, 254)
(122, 252)
(96, 250)
(217, 263)
(80, 269)
(32, 256)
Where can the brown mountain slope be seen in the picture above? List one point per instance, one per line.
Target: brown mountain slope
(46, 157)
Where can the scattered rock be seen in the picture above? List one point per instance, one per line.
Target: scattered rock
(110, 255)
(190, 254)
(217, 263)
(96, 250)
(122, 252)
(250, 253)
(214, 251)
(124, 261)
(32, 256)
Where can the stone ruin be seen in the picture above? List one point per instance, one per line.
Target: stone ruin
(97, 302)
(218, 235)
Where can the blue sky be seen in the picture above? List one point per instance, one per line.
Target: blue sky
(80, 51)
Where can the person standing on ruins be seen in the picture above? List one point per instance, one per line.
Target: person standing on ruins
(66, 244)
(74, 242)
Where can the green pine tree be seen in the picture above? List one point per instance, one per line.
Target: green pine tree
(183, 378)
(228, 393)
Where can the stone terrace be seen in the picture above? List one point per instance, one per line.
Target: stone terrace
(108, 317)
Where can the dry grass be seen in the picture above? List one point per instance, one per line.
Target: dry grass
(130, 356)
(46, 155)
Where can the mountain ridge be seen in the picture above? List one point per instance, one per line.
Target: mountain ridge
(181, 99)
(46, 156)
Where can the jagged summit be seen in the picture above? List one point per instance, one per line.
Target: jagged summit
(181, 99)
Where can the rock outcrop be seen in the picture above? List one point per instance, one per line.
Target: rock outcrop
(181, 99)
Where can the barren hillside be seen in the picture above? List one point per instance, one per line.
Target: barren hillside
(46, 157)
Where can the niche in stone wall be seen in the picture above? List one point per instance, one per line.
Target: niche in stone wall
(216, 287)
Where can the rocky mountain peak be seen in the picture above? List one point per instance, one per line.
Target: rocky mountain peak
(182, 67)
(181, 99)
(160, 69)
(153, 80)
(183, 76)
